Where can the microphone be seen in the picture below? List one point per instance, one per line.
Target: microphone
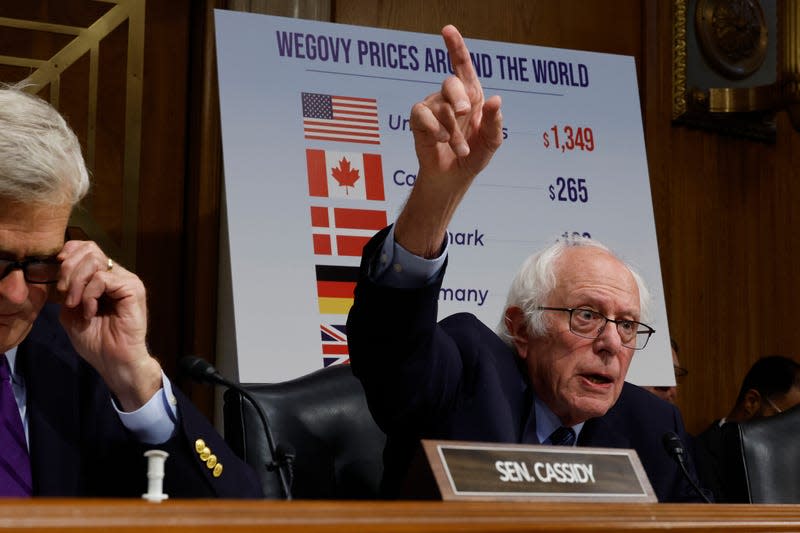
(202, 371)
(675, 449)
(282, 456)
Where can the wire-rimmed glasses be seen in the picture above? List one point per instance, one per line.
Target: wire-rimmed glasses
(590, 325)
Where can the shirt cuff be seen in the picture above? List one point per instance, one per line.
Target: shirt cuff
(155, 421)
(397, 267)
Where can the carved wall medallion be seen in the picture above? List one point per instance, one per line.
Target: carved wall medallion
(733, 35)
(724, 66)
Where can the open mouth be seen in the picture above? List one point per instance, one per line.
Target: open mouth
(598, 379)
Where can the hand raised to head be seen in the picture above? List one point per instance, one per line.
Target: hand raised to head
(104, 312)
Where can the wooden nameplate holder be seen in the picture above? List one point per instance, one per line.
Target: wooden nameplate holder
(513, 472)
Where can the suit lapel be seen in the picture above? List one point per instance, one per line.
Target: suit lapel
(601, 433)
(50, 369)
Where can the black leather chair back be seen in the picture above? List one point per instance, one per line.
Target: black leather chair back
(763, 459)
(323, 419)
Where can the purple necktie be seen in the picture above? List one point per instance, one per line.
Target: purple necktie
(15, 465)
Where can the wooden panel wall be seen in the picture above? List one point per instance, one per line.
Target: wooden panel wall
(728, 236)
(725, 208)
(161, 262)
(580, 24)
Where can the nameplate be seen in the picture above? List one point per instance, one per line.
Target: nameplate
(492, 471)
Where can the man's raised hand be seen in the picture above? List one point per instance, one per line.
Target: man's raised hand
(456, 133)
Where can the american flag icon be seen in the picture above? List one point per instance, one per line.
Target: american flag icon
(340, 118)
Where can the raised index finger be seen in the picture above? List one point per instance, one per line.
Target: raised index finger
(460, 59)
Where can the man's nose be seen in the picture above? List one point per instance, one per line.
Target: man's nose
(609, 339)
(13, 287)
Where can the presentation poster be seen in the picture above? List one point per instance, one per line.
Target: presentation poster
(318, 156)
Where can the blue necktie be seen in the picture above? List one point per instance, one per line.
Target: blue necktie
(563, 436)
(15, 464)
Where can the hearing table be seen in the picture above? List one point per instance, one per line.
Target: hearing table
(39, 515)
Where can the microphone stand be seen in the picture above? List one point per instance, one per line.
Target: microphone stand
(674, 446)
(281, 461)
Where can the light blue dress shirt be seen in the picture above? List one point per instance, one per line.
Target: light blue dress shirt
(547, 422)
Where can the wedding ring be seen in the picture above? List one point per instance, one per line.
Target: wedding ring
(110, 265)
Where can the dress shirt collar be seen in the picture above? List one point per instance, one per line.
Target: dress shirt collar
(11, 355)
(547, 421)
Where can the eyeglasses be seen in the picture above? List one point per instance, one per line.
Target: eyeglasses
(44, 270)
(590, 324)
(680, 371)
(772, 404)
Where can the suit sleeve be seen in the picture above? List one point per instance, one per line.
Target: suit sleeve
(223, 473)
(201, 464)
(409, 366)
(114, 464)
(80, 447)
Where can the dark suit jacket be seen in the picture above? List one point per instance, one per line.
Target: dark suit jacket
(458, 380)
(79, 447)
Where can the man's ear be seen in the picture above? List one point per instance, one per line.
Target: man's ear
(517, 326)
(752, 402)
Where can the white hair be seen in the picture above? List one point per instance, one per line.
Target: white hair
(40, 156)
(537, 277)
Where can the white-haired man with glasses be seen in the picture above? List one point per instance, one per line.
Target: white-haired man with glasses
(555, 373)
(81, 397)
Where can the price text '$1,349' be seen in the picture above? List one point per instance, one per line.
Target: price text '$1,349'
(568, 138)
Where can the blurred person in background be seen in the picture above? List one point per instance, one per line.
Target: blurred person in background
(771, 386)
(670, 393)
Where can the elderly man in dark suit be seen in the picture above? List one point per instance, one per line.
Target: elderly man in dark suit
(554, 375)
(81, 397)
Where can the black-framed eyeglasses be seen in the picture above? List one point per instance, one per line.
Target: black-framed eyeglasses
(42, 270)
(590, 325)
(680, 371)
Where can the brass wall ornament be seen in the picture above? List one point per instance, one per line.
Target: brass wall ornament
(790, 61)
(83, 44)
(733, 36)
(725, 66)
